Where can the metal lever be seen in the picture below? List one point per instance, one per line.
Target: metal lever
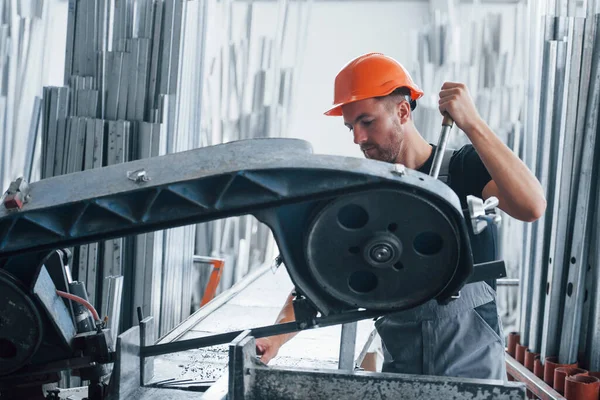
(447, 124)
(487, 271)
(482, 213)
(438, 157)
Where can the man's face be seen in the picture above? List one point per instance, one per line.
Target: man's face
(376, 127)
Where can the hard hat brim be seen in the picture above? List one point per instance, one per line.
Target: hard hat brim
(336, 110)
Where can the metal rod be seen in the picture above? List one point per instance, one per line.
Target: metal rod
(552, 302)
(438, 157)
(32, 138)
(539, 258)
(507, 282)
(533, 117)
(72, 12)
(263, 331)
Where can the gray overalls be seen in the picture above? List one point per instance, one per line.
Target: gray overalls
(464, 338)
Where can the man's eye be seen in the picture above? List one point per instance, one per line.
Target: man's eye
(367, 123)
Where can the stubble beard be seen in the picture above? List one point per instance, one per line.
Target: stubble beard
(390, 152)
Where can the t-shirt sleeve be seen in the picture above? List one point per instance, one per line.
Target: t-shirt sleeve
(475, 173)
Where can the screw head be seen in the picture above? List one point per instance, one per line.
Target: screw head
(381, 253)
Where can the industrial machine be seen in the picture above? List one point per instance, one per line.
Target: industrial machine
(359, 239)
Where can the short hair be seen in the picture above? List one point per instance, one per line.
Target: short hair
(401, 91)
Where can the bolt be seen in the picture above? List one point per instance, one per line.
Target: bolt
(399, 169)
(138, 176)
(382, 253)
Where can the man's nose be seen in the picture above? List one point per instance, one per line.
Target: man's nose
(360, 136)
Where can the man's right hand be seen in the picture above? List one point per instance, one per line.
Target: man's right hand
(267, 348)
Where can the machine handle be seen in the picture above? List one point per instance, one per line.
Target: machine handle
(447, 124)
(447, 121)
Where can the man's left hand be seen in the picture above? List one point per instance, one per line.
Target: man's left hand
(455, 100)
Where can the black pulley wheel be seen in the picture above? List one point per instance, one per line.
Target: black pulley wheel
(382, 249)
(20, 325)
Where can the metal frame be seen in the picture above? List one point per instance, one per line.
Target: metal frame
(187, 181)
(250, 379)
(211, 183)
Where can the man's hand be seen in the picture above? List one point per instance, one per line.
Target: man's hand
(520, 194)
(456, 100)
(267, 348)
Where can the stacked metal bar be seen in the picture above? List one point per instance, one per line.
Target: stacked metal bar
(136, 87)
(122, 69)
(248, 94)
(23, 25)
(486, 51)
(554, 131)
(560, 276)
(472, 51)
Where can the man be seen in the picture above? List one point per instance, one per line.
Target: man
(376, 96)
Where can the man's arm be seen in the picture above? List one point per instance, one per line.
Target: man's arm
(518, 190)
(268, 347)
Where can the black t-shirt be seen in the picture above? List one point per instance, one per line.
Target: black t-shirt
(468, 174)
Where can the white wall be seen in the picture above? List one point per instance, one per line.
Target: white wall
(337, 33)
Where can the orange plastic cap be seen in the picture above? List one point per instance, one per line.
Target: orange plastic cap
(370, 75)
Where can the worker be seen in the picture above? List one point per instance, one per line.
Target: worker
(376, 96)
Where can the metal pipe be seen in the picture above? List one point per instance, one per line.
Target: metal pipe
(540, 248)
(537, 386)
(559, 192)
(579, 250)
(438, 157)
(537, 31)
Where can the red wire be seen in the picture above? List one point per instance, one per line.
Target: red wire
(80, 301)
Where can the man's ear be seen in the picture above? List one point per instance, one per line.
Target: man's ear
(403, 110)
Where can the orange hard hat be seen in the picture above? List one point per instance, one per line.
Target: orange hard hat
(370, 75)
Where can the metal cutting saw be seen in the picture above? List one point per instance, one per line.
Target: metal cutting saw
(359, 238)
